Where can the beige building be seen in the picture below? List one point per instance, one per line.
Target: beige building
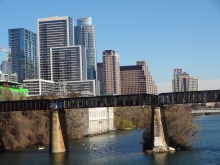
(137, 79)
(183, 82)
(111, 73)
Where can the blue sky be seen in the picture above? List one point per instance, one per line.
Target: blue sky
(165, 34)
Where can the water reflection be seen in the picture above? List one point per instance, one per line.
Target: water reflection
(59, 158)
(160, 158)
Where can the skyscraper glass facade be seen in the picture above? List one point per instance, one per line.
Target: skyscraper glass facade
(68, 64)
(22, 43)
(53, 32)
(85, 36)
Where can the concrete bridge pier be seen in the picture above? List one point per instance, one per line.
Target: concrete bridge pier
(158, 131)
(58, 141)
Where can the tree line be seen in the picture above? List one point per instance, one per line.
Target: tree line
(21, 129)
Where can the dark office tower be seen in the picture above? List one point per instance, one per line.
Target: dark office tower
(22, 43)
(100, 75)
(53, 32)
(85, 36)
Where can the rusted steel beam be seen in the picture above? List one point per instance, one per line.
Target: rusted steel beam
(24, 105)
(113, 101)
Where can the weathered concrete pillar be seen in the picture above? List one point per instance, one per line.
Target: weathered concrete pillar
(58, 132)
(158, 130)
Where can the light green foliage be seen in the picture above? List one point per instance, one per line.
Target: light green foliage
(139, 116)
(127, 124)
(9, 94)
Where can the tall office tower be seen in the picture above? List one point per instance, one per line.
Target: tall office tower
(100, 76)
(53, 32)
(23, 53)
(67, 63)
(111, 73)
(183, 82)
(137, 79)
(85, 36)
(5, 66)
(176, 73)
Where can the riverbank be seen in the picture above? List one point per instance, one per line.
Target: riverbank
(205, 114)
(124, 147)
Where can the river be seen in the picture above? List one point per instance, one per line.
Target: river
(124, 148)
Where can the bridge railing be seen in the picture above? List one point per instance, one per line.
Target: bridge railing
(24, 105)
(113, 101)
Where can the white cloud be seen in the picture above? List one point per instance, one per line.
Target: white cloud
(203, 85)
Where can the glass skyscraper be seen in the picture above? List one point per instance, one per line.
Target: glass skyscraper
(85, 36)
(67, 63)
(53, 32)
(22, 43)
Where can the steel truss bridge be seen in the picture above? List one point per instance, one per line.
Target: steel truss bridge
(113, 101)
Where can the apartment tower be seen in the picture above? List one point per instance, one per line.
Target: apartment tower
(111, 73)
(183, 82)
(176, 73)
(53, 32)
(137, 79)
(84, 34)
(22, 43)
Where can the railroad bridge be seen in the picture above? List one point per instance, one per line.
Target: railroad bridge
(58, 141)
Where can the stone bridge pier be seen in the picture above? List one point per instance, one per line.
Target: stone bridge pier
(58, 141)
(159, 131)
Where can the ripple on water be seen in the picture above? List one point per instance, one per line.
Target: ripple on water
(124, 147)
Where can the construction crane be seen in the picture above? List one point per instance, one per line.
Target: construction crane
(8, 51)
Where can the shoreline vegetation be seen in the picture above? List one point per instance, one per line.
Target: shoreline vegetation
(28, 128)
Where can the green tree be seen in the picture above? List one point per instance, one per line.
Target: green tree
(127, 124)
(7, 95)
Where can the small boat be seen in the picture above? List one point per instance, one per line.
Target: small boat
(41, 148)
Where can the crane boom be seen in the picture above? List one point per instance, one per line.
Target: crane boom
(1, 48)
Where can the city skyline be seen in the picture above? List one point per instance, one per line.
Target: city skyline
(164, 34)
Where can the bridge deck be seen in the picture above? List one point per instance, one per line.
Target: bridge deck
(114, 101)
(24, 105)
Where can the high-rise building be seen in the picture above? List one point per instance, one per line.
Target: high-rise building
(67, 63)
(111, 73)
(22, 43)
(53, 32)
(183, 82)
(100, 76)
(176, 73)
(13, 77)
(84, 34)
(137, 79)
(6, 66)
